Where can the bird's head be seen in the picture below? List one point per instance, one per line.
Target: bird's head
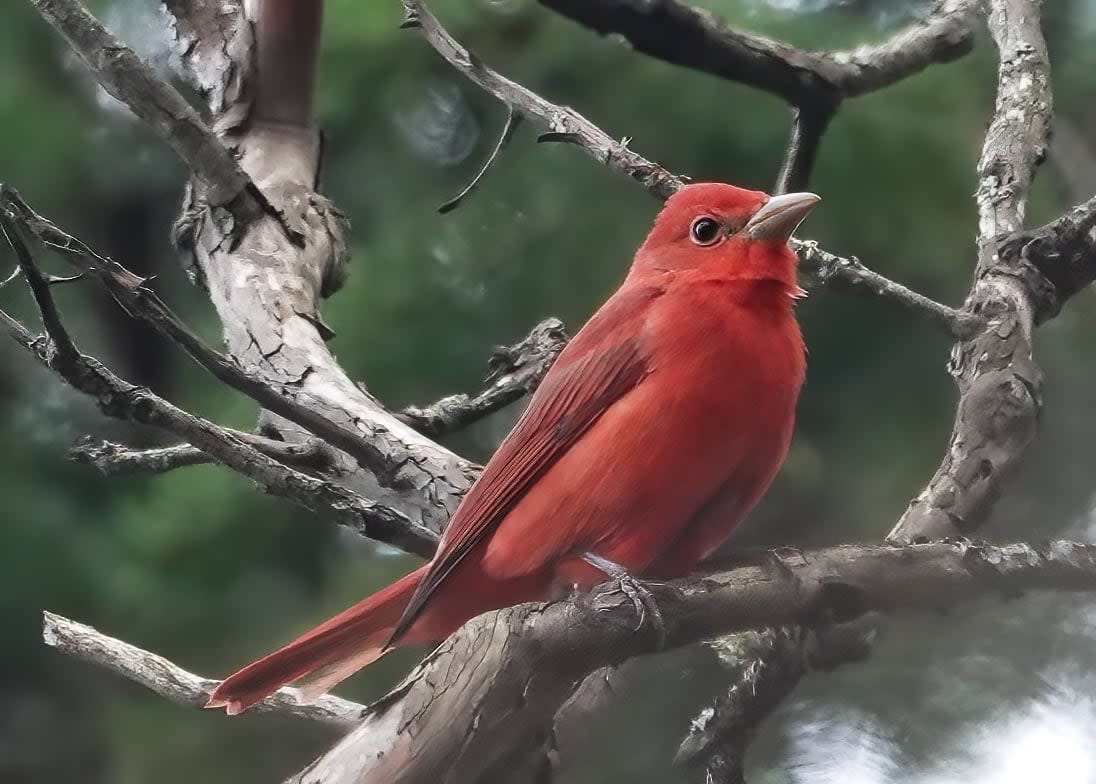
(729, 231)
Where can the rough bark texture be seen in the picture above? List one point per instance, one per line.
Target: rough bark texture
(999, 382)
(467, 712)
(176, 684)
(267, 283)
(696, 38)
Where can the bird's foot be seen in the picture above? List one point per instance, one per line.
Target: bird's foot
(644, 603)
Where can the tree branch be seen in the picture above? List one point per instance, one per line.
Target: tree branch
(823, 266)
(696, 38)
(140, 302)
(118, 459)
(808, 125)
(267, 289)
(122, 400)
(130, 80)
(515, 371)
(999, 382)
(176, 684)
(557, 123)
(460, 699)
(566, 125)
(997, 377)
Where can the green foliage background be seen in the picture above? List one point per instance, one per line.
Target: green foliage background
(199, 566)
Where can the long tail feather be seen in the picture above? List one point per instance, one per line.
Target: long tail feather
(334, 650)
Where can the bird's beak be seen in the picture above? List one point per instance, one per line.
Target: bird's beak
(780, 215)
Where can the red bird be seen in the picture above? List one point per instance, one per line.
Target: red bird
(657, 429)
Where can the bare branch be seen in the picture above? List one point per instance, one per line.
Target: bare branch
(998, 405)
(266, 288)
(768, 665)
(808, 125)
(825, 266)
(142, 303)
(696, 38)
(515, 371)
(129, 79)
(568, 126)
(459, 697)
(118, 459)
(999, 382)
(513, 119)
(122, 400)
(176, 684)
(558, 123)
(1057, 260)
(61, 342)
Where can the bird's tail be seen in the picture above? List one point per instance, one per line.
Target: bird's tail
(334, 650)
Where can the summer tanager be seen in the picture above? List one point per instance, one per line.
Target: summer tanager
(657, 429)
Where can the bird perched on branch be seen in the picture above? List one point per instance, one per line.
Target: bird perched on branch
(657, 429)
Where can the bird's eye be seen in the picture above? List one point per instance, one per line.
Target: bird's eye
(705, 231)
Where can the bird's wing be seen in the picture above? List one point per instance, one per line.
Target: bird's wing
(604, 361)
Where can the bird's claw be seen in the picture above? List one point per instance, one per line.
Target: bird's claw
(644, 603)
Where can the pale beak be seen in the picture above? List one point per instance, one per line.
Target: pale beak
(780, 216)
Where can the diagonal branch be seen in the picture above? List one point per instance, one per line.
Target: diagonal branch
(255, 66)
(142, 303)
(173, 682)
(568, 126)
(130, 80)
(557, 122)
(122, 400)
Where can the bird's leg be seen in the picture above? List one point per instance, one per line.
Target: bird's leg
(642, 600)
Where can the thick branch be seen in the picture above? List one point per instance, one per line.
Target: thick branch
(469, 733)
(176, 684)
(696, 38)
(129, 79)
(266, 286)
(999, 382)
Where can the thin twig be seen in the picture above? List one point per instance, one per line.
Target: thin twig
(562, 123)
(825, 266)
(176, 684)
(515, 371)
(118, 459)
(513, 120)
